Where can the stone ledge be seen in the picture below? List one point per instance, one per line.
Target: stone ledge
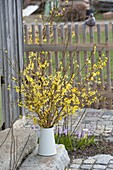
(56, 162)
(25, 141)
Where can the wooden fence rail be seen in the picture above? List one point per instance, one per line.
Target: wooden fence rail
(73, 44)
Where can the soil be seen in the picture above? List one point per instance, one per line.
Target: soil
(101, 147)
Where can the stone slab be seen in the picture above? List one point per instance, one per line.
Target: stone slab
(89, 161)
(86, 167)
(99, 166)
(73, 166)
(56, 162)
(103, 159)
(15, 146)
(77, 161)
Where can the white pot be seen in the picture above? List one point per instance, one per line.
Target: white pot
(47, 145)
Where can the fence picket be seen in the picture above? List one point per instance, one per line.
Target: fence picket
(55, 35)
(49, 53)
(64, 47)
(77, 33)
(108, 64)
(101, 71)
(62, 33)
(85, 54)
(71, 66)
(33, 34)
(93, 59)
(40, 32)
(70, 53)
(26, 41)
(78, 66)
(98, 33)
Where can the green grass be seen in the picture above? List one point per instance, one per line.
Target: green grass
(98, 16)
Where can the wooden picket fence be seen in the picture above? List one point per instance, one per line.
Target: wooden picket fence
(73, 44)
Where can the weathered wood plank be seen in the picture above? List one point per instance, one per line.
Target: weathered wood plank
(63, 39)
(78, 69)
(40, 32)
(12, 58)
(26, 41)
(85, 54)
(98, 33)
(93, 60)
(69, 47)
(77, 33)
(101, 71)
(107, 94)
(55, 35)
(62, 33)
(91, 32)
(5, 95)
(108, 64)
(33, 34)
(71, 68)
(12, 42)
(49, 53)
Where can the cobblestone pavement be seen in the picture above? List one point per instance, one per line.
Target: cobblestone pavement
(99, 122)
(97, 162)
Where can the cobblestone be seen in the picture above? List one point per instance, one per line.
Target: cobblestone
(109, 139)
(77, 161)
(111, 162)
(86, 167)
(89, 161)
(106, 117)
(74, 166)
(99, 166)
(108, 129)
(103, 159)
(110, 166)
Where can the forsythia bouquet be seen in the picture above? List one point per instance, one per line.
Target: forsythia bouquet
(52, 97)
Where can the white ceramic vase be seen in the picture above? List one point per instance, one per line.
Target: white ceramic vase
(47, 145)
